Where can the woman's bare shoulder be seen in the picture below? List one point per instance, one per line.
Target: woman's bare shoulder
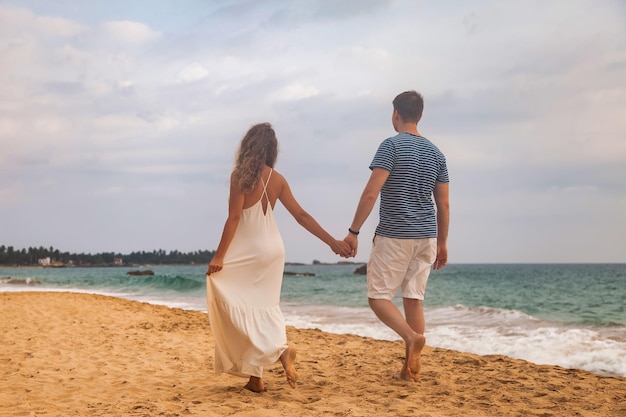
(278, 182)
(277, 176)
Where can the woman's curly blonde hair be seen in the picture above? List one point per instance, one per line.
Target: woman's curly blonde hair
(259, 147)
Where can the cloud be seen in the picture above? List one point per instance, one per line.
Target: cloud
(128, 32)
(193, 72)
(121, 106)
(11, 194)
(295, 92)
(13, 18)
(122, 124)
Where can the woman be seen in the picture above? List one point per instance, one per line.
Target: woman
(244, 277)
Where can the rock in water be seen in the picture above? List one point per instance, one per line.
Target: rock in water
(146, 272)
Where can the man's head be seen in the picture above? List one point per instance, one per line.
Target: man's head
(409, 106)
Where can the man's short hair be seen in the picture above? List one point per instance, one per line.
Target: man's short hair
(409, 106)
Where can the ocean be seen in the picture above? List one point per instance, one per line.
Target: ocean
(570, 315)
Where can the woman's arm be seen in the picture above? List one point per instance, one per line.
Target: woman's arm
(307, 221)
(235, 208)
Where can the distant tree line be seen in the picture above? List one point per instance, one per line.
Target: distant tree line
(31, 256)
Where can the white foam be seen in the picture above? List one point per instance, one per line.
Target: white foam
(484, 331)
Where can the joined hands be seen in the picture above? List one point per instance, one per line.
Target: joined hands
(353, 242)
(341, 248)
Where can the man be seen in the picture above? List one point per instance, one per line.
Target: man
(408, 171)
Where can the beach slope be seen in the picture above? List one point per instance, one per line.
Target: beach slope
(68, 354)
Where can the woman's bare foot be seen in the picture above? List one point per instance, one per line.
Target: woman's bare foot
(287, 359)
(413, 363)
(255, 384)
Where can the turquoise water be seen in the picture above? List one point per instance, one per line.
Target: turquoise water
(570, 315)
(571, 294)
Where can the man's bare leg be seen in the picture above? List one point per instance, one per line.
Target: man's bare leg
(414, 357)
(255, 384)
(389, 314)
(414, 313)
(287, 359)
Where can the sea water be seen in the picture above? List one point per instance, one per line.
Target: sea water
(571, 315)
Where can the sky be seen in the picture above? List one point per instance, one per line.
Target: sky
(119, 120)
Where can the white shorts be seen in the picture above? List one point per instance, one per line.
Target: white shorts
(400, 263)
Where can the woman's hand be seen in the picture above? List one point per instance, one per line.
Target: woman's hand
(216, 265)
(341, 248)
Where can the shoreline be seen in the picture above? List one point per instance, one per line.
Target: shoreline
(128, 265)
(595, 349)
(73, 353)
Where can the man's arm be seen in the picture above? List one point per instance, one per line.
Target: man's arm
(366, 203)
(442, 201)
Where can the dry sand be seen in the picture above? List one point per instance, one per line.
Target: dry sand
(65, 354)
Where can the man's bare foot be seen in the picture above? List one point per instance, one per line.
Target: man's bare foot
(287, 359)
(255, 384)
(403, 375)
(414, 357)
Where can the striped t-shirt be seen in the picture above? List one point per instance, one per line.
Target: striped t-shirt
(407, 209)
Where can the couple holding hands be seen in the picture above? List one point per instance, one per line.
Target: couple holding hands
(244, 278)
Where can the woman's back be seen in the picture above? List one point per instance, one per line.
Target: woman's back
(274, 183)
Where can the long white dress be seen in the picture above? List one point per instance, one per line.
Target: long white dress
(243, 298)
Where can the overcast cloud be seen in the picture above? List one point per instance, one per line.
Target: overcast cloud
(119, 120)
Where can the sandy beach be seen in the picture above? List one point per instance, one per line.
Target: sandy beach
(68, 354)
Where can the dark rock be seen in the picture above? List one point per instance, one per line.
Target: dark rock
(299, 274)
(362, 270)
(145, 272)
